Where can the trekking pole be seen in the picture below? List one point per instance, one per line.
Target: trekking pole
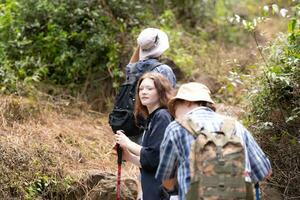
(257, 191)
(119, 153)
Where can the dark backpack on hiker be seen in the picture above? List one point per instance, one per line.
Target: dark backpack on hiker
(217, 163)
(122, 117)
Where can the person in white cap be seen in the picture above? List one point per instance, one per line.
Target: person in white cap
(193, 101)
(152, 43)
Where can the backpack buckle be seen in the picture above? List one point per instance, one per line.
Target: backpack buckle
(221, 161)
(221, 182)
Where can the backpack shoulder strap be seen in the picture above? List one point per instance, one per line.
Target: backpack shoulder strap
(228, 126)
(192, 127)
(151, 67)
(183, 122)
(135, 73)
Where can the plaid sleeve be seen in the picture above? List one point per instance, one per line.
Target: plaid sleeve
(168, 157)
(259, 163)
(168, 73)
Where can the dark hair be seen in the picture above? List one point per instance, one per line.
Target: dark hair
(206, 104)
(199, 103)
(164, 91)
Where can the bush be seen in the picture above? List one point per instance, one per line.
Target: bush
(62, 42)
(276, 110)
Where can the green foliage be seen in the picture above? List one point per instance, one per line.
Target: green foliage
(275, 104)
(47, 186)
(63, 42)
(282, 74)
(194, 12)
(81, 45)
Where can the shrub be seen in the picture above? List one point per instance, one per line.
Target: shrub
(276, 110)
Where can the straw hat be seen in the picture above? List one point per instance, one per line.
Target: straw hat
(153, 42)
(192, 91)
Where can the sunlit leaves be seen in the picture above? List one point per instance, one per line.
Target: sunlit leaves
(275, 8)
(251, 24)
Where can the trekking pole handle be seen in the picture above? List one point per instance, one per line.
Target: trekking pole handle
(119, 153)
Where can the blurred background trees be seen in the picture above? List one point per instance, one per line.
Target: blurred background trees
(76, 46)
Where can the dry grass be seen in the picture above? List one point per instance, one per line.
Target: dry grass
(40, 137)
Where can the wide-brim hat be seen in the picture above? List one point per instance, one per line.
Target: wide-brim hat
(193, 92)
(153, 42)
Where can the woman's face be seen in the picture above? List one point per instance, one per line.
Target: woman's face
(148, 94)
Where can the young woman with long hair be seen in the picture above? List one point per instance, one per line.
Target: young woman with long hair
(152, 96)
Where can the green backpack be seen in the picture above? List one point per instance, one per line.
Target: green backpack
(217, 163)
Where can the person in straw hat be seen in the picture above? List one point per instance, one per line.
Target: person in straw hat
(193, 100)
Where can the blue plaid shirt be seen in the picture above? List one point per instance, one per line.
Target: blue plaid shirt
(175, 149)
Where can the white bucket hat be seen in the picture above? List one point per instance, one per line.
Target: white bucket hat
(192, 91)
(153, 42)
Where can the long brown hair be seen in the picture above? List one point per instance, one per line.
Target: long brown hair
(164, 91)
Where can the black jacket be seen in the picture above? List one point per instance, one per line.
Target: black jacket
(157, 122)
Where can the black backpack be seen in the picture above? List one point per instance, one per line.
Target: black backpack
(122, 117)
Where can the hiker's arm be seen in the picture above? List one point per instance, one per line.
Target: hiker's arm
(258, 160)
(135, 56)
(130, 157)
(269, 174)
(260, 164)
(124, 141)
(134, 148)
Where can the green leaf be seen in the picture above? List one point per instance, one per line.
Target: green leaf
(276, 69)
(230, 88)
(293, 141)
(291, 25)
